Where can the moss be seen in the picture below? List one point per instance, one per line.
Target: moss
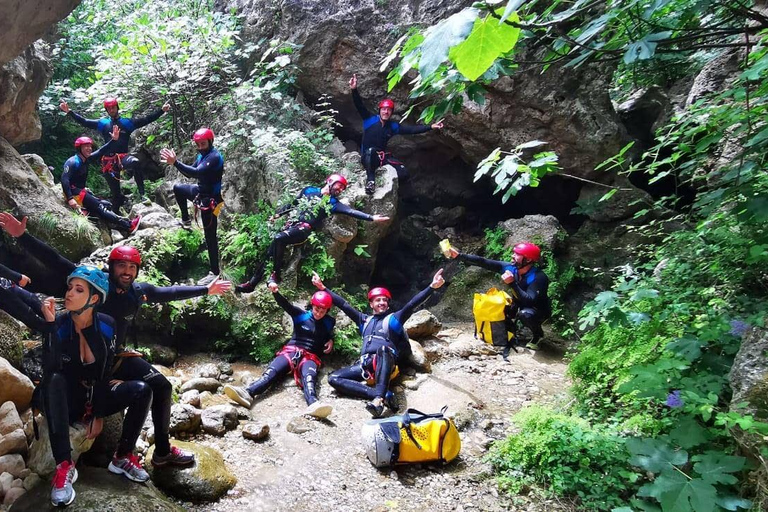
(11, 347)
(758, 398)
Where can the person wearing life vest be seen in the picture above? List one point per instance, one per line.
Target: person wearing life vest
(385, 345)
(377, 130)
(123, 300)
(78, 385)
(528, 282)
(306, 213)
(312, 336)
(208, 170)
(73, 181)
(117, 158)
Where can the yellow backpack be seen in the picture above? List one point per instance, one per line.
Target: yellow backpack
(490, 312)
(413, 437)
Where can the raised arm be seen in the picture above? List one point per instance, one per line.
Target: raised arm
(343, 209)
(359, 105)
(405, 313)
(209, 162)
(139, 122)
(493, 265)
(106, 148)
(356, 316)
(82, 121)
(35, 247)
(411, 129)
(284, 303)
(9, 274)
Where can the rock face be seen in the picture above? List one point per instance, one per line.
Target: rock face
(11, 347)
(14, 386)
(26, 21)
(22, 80)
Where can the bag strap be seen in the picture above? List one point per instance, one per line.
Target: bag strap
(407, 426)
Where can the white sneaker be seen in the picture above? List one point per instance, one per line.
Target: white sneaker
(238, 395)
(205, 281)
(319, 410)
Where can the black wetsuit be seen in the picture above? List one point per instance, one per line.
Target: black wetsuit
(18, 302)
(122, 306)
(384, 346)
(376, 135)
(208, 170)
(312, 211)
(73, 182)
(301, 354)
(117, 158)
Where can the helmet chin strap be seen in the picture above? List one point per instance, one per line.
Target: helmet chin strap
(87, 306)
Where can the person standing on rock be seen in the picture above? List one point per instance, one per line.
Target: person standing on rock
(208, 170)
(529, 286)
(385, 345)
(117, 158)
(123, 301)
(73, 182)
(308, 210)
(78, 385)
(377, 130)
(312, 336)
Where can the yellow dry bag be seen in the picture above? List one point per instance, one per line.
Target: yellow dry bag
(490, 312)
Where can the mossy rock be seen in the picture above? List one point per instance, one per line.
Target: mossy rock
(11, 347)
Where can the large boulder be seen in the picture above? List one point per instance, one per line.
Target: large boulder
(41, 459)
(422, 324)
(184, 418)
(544, 230)
(22, 80)
(207, 480)
(218, 419)
(26, 21)
(14, 386)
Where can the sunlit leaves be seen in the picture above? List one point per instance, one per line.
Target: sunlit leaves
(439, 39)
(488, 39)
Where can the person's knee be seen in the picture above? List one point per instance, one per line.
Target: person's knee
(160, 386)
(333, 380)
(142, 392)
(131, 163)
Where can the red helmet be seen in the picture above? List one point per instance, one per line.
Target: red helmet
(83, 140)
(336, 178)
(125, 253)
(110, 102)
(378, 292)
(322, 299)
(203, 134)
(529, 251)
(386, 102)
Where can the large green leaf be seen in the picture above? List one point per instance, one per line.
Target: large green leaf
(486, 43)
(686, 347)
(716, 467)
(440, 38)
(689, 433)
(679, 493)
(654, 455)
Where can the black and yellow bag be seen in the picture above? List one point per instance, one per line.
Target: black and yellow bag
(413, 437)
(490, 310)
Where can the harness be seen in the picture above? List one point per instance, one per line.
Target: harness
(112, 164)
(205, 204)
(296, 358)
(368, 362)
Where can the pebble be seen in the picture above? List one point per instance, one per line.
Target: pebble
(256, 432)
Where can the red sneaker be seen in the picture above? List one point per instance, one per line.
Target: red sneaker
(134, 225)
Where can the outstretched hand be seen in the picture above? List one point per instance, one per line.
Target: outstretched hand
(219, 286)
(167, 156)
(48, 309)
(317, 281)
(437, 280)
(24, 281)
(380, 218)
(353, 82)
(11, 225)
(453, 253)
(273, 287)
(64, 107)
(166, 107)
(115, 132)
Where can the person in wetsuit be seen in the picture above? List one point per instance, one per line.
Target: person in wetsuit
(73, 182)
(310, 208)
(377, 130)
(529, 286)
(123, 300)
(208, 170)
(385, 345)
(312, 336)
(78, 385)
(117, 158)
(18, 302)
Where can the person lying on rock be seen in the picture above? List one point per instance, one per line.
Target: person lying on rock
(208, 170)
(308, 210)
(73, 181)
(385, 345)
(78, 385)
(312, 336)
(122, 302)
(117, 158)
(377, 130)
(529, 286)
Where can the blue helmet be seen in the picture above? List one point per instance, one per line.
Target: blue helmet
(93, 276)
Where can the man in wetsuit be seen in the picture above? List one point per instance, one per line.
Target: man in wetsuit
(117, 158)
(307, 211)
(385, 345)
(208, 170)
(377, 130)
(528, 282)
(73, 182)
(124, 298)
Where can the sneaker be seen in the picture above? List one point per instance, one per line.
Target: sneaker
(375, 407)
(128, 466)
(62, 492)
(176, 457)
(246, 287)
(370, 187)
(208, 279)
(134, 225)
(239, 395)
(186, 224)
(319, 410)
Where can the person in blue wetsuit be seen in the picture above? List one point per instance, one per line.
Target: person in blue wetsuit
(208, 170)
(73, 182)
(310, 208)
(377, 130)
(312, 336)
(117, 158)
(385, 345)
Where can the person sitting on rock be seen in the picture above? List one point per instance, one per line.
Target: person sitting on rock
(308, 211)
(122, 303)
(385, 345)
(208, 170)
(78, 385)
(529, 286)
(73, 181)
(117, 158)
(377, 130)
(312, 336)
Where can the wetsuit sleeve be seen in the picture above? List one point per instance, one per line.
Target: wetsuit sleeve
(417, 300)
(106, 148)
(359, 105)
(493, 265)
(65, 183)
(9, 274)
(354, 315)
(413, 129)
(82, 121)
(23, 312)
(286, 305)
(344, 209)
(536, 292)
(203, 167)
(155, 294)
(286, 207)
(46, 254)
(139, 122)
